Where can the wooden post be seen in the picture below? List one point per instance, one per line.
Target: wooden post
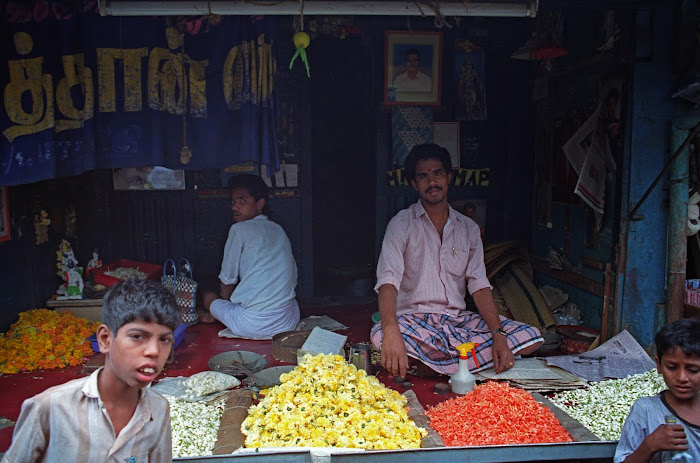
(606, 305)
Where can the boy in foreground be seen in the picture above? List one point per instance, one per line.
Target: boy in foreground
(645, 436)
(111, 415)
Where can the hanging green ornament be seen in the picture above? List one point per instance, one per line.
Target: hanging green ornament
(301, 40)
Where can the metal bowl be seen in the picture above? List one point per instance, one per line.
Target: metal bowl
(237, 363)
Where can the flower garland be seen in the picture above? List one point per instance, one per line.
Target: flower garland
(43, 338)
(603, 406)
(195, 426)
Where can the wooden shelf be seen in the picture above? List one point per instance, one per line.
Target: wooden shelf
(574, 279)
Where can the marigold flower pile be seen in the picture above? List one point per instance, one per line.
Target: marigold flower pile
(326, 402)
(44, 338)
(495, 414)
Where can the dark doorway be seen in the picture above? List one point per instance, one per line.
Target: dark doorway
(343, 166)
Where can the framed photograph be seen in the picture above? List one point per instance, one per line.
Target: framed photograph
(4, 214)
(469, 72)
(475, 209)
(148, 178)
(412, 68)
(446, 134)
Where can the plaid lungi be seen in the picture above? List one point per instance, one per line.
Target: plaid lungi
(433, 338)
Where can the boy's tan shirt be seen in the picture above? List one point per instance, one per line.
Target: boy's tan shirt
(69, 422)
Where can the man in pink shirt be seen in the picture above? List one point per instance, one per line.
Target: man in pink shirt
(431, 255)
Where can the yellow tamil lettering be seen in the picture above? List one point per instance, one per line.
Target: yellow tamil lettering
(248, 74)
(76, 75)
(198, 87)
(106, 77)
(26, 77)
(268, 66)
(484, 177)
(233, 78)
(166, 90)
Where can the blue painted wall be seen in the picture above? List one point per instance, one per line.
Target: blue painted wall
(653, 83)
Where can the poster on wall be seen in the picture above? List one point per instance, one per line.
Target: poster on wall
(412, 68)
(446, 134)
(473, 208)
(4, 215)
(411, 126)
(469, 70)
(148, 178)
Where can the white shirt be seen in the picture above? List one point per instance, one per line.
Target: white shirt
(431, 275)
(420, 83)
(258, 256)
(69, 423)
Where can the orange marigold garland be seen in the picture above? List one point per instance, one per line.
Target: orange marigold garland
(495, 414)
(44, 338)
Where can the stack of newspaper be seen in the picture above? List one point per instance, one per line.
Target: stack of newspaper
(535, 375)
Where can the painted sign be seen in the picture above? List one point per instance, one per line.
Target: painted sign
(460, 177)
(83, 91)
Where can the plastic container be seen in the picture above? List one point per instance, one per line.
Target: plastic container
(178, 336)
(463, 381)
(152, 271)
(576, 339)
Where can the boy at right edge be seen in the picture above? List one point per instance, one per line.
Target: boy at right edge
(645, 435)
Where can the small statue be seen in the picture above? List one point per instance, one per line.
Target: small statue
(65, 262)
(65, 256)
(94, 262)
(74, 282)
(41, 227)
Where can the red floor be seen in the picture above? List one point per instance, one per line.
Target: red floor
(201, 343)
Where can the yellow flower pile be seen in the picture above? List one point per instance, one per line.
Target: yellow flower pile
(326, 402)
(43, 338)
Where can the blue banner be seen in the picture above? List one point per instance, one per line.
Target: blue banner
(81, 91)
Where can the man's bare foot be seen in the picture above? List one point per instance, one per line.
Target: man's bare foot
(205, 317)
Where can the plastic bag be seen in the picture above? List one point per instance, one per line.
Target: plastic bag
(209, 382)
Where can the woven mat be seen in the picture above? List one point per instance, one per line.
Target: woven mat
(230, 436)
(522, 298)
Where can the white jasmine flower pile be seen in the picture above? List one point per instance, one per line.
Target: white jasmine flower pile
(326, 402)
(195, 426)
(603, 406)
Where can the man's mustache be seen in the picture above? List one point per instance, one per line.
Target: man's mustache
(433, 188)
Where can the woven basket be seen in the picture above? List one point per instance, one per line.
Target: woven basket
(286, 344)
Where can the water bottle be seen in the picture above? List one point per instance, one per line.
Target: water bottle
(675, 456)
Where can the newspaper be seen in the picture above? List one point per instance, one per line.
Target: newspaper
(619, 357)
(524, 368)
(534, 375)
(322, 321)
(322, 341)
(577, 146)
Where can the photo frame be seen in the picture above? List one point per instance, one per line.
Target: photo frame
(148, 178)
(412, 68)
(4, 214)
(475, 209)
(469, 70)
(446, 134)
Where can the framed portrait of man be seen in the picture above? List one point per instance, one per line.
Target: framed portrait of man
(412, 68)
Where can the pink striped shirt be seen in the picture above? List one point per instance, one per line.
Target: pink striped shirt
(430, 275)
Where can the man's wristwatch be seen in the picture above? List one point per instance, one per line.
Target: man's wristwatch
(499, 330)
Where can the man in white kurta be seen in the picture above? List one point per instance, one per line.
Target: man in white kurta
(258, 271)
